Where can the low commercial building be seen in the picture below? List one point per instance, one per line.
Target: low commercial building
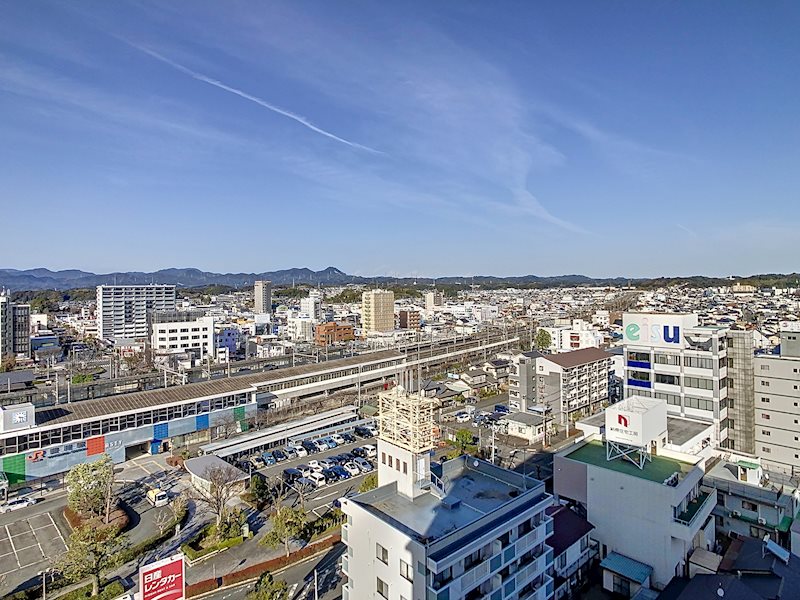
(209, 470)
(528, 426)
(642, 494)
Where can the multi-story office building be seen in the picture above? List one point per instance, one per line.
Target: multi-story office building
(300, 329)
(377, 311)
(312, 306)
(741, 407)
(333, 333)
(15, 328)
(640, 486)
(263, 297)
(573, 383)
(667, 356)
(123, 310)
(462, 529)
(409, 319)
(574, 337)
(433, 300)
(777, 404)
(182, 331)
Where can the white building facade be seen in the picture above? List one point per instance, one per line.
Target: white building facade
(181, 336)
(122, 310)
(667, 356)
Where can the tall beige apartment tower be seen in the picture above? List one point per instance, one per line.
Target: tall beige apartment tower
(263, 291)
(377, 310)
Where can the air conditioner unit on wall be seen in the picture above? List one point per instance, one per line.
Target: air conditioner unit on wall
(736, 513)
(762, 521)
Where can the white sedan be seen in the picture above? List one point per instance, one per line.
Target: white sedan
(351, 468)
(17, 503)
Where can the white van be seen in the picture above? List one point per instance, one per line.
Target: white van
(317, 478)
(157, 497)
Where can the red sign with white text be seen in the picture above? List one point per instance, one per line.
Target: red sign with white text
(162, 580)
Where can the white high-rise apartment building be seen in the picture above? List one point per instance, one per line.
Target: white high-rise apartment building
(263, 297)
(377, 311)
(462, 529)
(669, 357)
(300, 329)
(122, 310)
(312, 306)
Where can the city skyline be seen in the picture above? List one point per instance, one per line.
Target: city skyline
(405, 140)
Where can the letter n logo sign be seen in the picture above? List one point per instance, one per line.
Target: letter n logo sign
(622, 420)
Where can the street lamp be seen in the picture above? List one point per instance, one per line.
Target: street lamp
(44, 582)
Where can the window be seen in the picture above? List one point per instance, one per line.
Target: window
(622, 586)
(698, 403)
(383, 588)
(382, 554)
(765, 432)
(670, 379)
(698, 362)
(668, 359)
(765, 416)
(764, 383)
(765, 449)
(639, 375)
(673, 399)
(765, 399)
(639, 356)
(383, 457)
(698, 382)
(765, 367)
(749, 505)
(406, 572)
(730, 424)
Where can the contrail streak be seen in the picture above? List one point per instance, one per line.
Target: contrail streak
(276, 109)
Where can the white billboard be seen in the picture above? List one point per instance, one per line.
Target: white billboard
(791, 326)
(656, 330)
(636, 421)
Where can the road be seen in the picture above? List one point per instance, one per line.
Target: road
(300, 579)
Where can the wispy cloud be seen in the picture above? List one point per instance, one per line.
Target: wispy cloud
(691, 232)
(242, 94)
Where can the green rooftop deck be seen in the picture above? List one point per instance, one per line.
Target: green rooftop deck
(657, 470)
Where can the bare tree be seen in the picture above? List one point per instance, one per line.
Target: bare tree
(163, 520)
(223, 485)
(227, 426)
(178, 507)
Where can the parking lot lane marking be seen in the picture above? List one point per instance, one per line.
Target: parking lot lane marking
(58, 531)
(35, 537)
(326, 496)
(12, 546)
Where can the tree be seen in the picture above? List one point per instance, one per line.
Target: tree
(542, 340)
(370, 483)
(91, 488)
(136, 363)
(268, 588)
(8, 363)
(464, 440)
(287, 523)
(91, 552)
(163, 520)
(223, 486)
(227, 426)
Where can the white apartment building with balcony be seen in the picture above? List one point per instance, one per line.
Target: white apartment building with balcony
(312, 306)
(572, 383)
(465, 529)
(669, 357)
(576, 336)
(123, 310)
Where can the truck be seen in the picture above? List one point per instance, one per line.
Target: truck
(157, 497)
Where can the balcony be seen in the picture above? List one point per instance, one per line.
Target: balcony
(346, 564)
(693, 508)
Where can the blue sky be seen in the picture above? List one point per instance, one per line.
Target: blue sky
(430, 138)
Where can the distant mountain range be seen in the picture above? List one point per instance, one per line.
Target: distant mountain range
(45, 279)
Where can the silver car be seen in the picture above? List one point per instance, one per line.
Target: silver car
(17, 503)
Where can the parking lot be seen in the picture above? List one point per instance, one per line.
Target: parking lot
(29, 542)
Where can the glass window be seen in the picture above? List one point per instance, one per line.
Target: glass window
(382, 554)
(406, 572)
(382, 588)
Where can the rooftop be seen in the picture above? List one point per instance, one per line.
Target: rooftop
(474, 489)
(627, 567)
(680, 431)
(568, 528)
(657, 470)
(578, 357)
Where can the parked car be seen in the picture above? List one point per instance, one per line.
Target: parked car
(351, 468)
(327, 463)
(331, 442)
(310, 447)
(371, 451)
(314, 465)
(291, 475)
(306, 484)
(349, 438)
(300, 451)
(362, 432)
(501, 408)
(290, 452)
(257, 462)
(321, 446)
(330, 476)
(318, 479)
(341, 472)
(363, 464)
(305, 470)
(279, 455)
(359, 452)
(268, 458)
(347, 457)
(462, 417)
(16, 504)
